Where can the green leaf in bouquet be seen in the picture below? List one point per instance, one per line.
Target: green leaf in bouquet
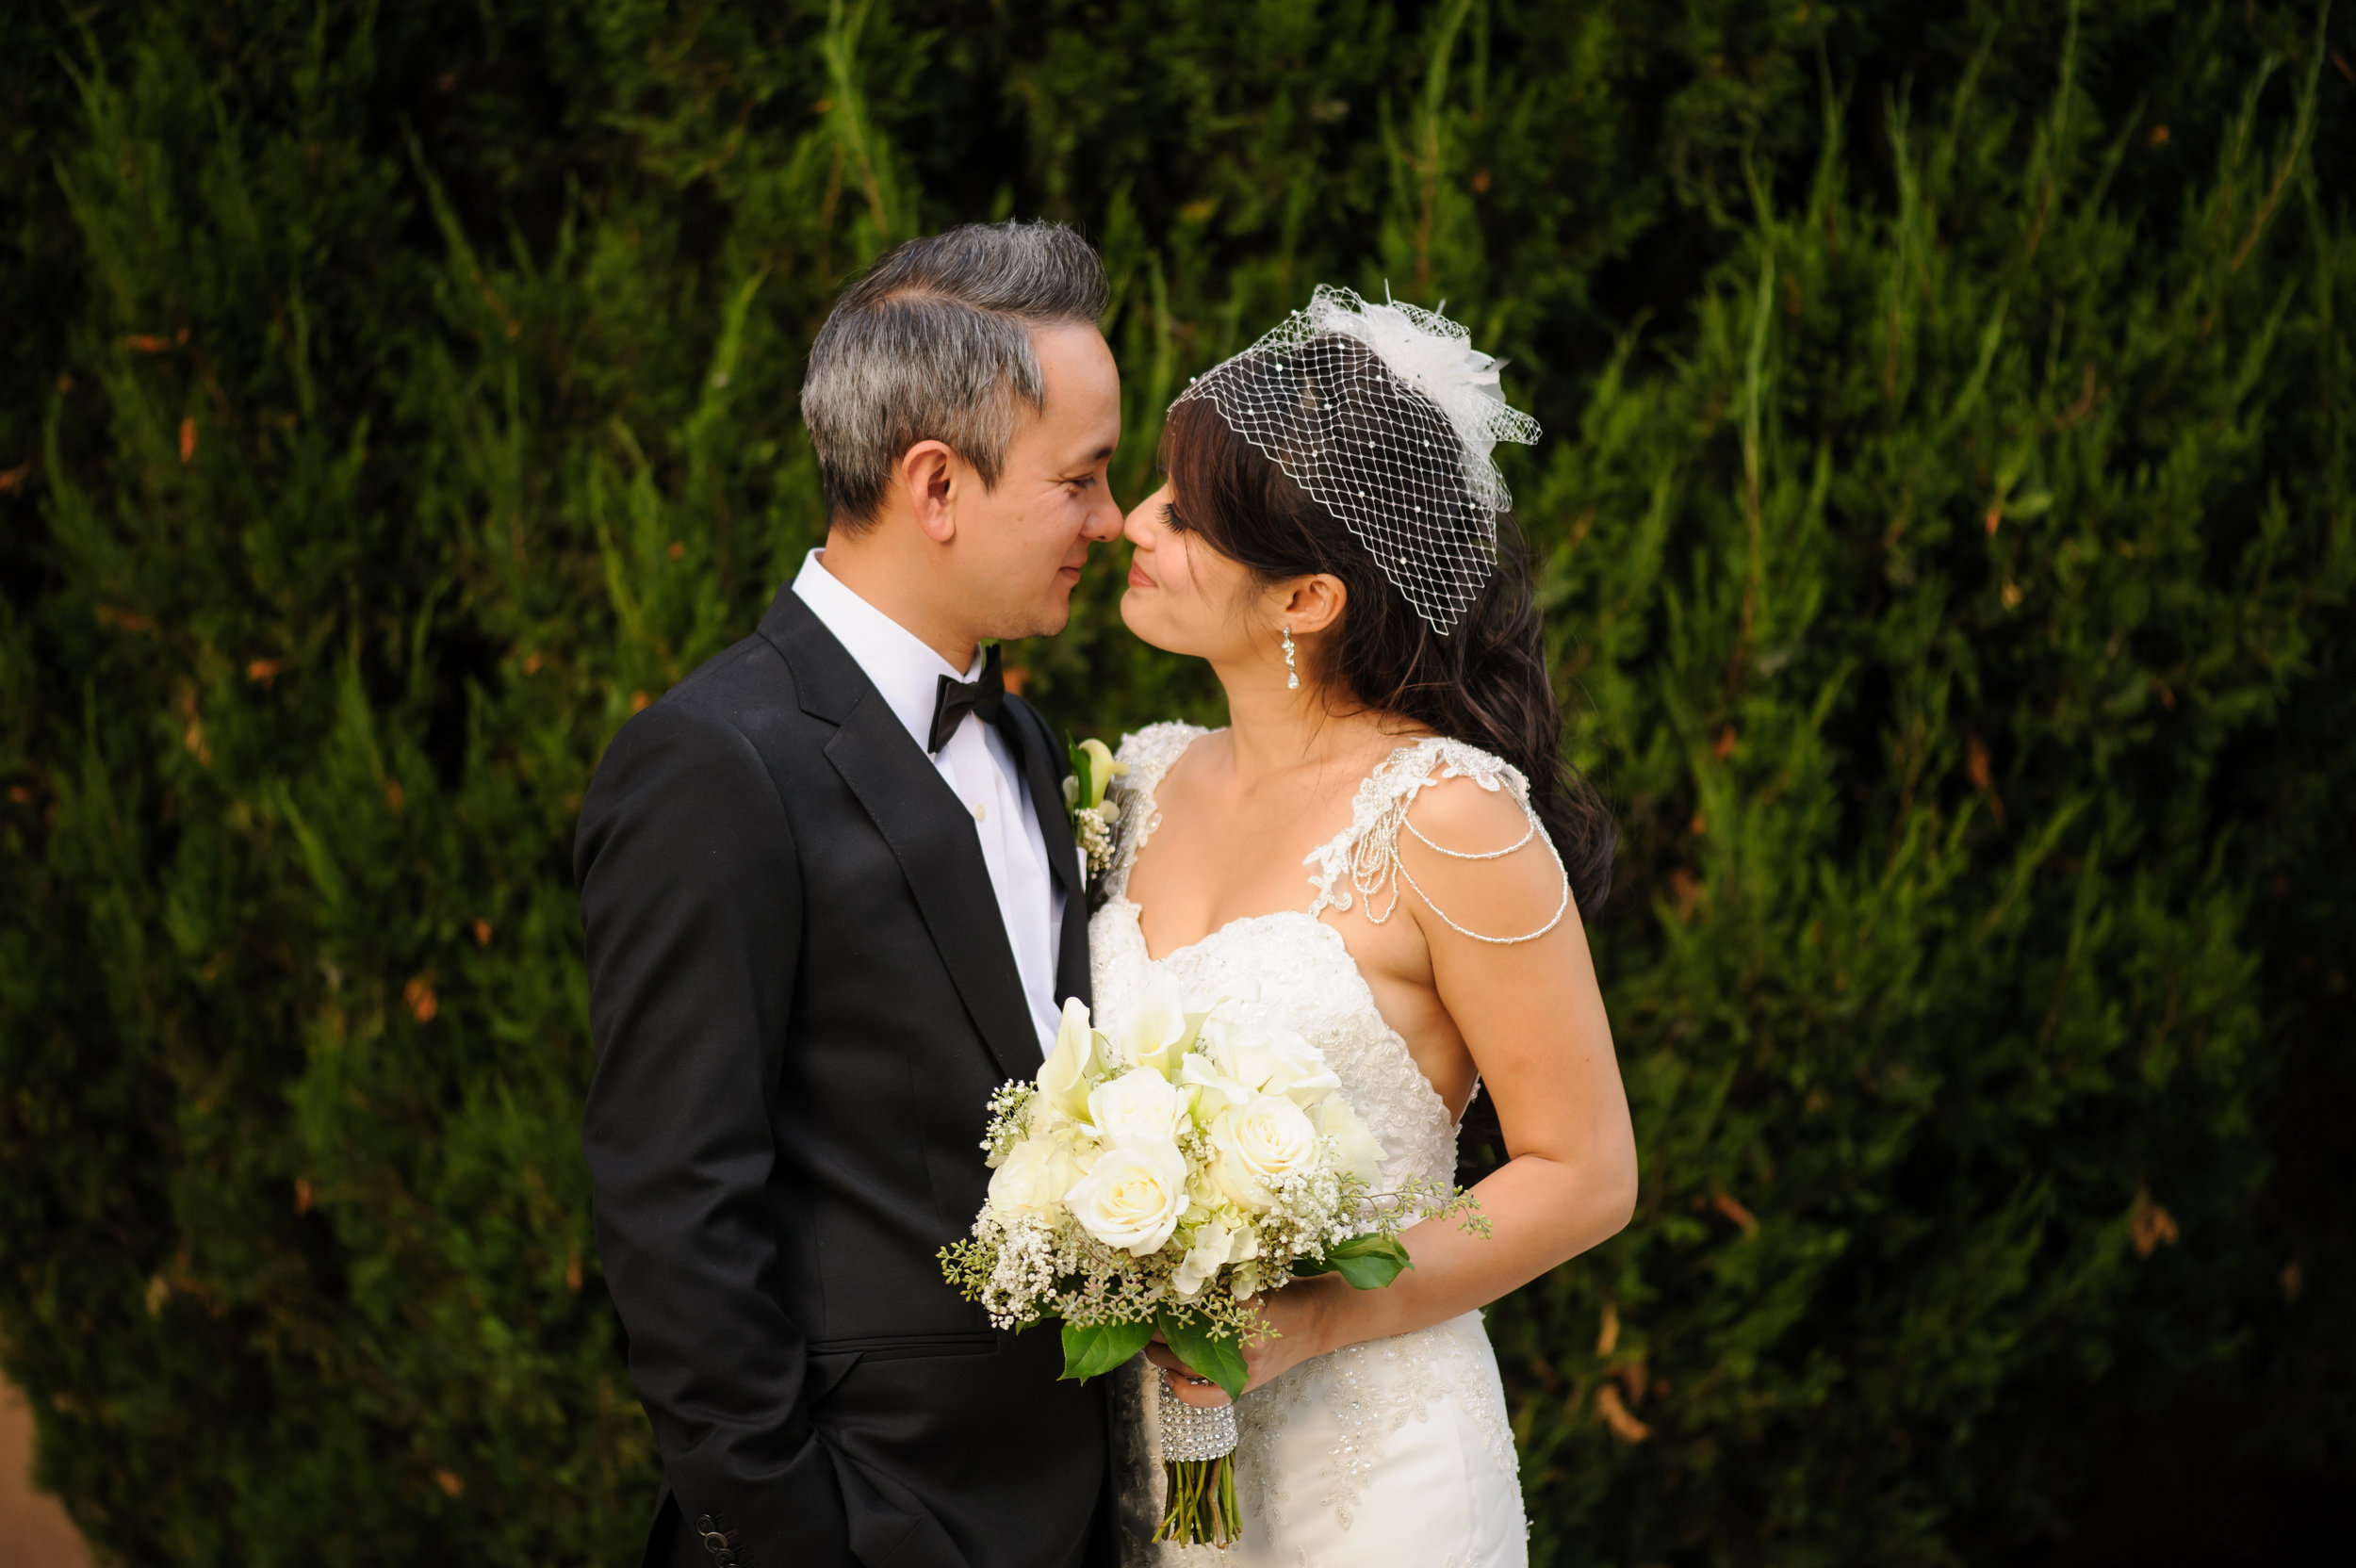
(1098, 1348)
(1368, 1262)
(1219, 1359)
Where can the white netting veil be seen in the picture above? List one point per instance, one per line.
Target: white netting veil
(1386, 415)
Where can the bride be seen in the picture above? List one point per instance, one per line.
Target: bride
(1382, 852)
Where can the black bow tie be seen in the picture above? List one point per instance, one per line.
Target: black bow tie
(956, 698)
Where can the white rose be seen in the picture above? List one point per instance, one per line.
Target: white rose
(1259, 1144)
(1063, 1077)
(1131, 1196)
(1355, 1150)
(1036, 1175)
(1272, 1061)
(1231, 1182)
(1140, 1105)
(1214, 1244)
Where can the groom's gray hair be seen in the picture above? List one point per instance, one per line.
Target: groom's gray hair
(934, 344)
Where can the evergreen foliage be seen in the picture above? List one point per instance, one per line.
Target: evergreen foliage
(1946, 531)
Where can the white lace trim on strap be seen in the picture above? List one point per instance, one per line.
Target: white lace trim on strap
(1148, 753)
(1368, 850)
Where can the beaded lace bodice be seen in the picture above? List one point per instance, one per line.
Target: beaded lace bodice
(1287, 967)
(1296, 965)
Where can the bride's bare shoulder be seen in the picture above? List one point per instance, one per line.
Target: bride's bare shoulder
(1465, 815)
(1146, 755)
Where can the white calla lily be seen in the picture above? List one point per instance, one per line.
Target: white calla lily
(1214, 1090)
(1063, 1077)
(1157, 1031)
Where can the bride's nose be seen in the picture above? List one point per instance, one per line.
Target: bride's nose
(1143, 526)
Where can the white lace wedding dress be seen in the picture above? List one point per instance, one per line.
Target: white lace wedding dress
(1390, 1454)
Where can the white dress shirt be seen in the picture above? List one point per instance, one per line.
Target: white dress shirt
(977, 765)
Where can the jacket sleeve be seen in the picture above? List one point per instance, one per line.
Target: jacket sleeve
(690, 904)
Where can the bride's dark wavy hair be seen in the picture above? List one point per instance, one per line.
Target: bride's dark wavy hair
(1485, 682)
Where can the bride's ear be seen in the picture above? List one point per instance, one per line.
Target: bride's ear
(1311, 604)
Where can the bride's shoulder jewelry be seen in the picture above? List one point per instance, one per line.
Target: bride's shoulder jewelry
(1368, 851)
(1388, 416)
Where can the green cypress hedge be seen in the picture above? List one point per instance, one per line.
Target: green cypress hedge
(1946, 531)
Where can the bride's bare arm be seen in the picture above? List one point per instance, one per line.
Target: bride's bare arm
(1533, 1018)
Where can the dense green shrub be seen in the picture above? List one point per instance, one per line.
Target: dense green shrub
(1946, 523)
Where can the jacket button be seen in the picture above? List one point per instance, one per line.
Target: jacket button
(716, 1542)
(703, 1525)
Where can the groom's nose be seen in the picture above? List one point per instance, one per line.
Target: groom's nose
(1105, 518)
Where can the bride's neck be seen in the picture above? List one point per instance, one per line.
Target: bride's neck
(1275, 729)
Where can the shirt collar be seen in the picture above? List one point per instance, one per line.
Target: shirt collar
(903, 666)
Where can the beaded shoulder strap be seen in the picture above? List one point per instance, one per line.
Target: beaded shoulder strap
(1367, 852)
(1149, 754)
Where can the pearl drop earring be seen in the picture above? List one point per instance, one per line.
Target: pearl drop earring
(1292, 671)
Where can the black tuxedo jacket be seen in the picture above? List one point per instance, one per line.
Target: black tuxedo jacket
(803, 996)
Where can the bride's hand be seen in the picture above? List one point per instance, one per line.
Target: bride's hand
(1300, 1316)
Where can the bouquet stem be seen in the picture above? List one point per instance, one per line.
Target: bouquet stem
(1198, 1465)
(1201, 1510)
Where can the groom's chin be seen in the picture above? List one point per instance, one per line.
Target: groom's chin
(1049, 614)
(1045, 619)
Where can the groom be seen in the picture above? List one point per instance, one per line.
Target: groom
(831, 902)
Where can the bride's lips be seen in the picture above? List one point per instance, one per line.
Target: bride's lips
(1137, 577)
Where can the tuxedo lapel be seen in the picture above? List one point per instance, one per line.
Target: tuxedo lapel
(933, 840)
(926, 827)
(1034, 743)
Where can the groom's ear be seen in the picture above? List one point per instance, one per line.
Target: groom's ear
(927, 473)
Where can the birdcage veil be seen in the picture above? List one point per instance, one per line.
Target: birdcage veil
(1388, 416)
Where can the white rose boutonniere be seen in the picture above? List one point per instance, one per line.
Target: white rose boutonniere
(1085, 796)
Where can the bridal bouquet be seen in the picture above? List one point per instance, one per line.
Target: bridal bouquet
(1159, 1179)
